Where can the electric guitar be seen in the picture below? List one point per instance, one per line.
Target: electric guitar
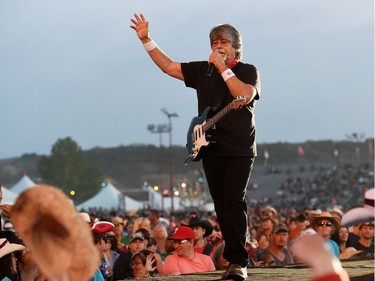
(196, 135)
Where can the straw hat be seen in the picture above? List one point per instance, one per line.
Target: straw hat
(359, 215)
(61, 241)
(325, 216)
(7, 248)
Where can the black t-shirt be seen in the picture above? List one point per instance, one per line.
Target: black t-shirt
(121, 268)
(234, 134)
(369, 250)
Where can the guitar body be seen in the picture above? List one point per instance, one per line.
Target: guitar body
(196, 137)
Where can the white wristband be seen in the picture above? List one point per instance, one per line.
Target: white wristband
(227, 74)
(149, 46)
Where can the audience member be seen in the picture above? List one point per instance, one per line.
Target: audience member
(325, 225)
(266, 226)
(122, 269)
(366, 239)
(144, 264)
(160, 235)
(152, 246)
(202, 229)
(185, 259)
(263, 243)
(142, 222)
(122, 239)
(8, 268)
(110, 251)
(301, 224)
(341, 238)
(146, 235)
(100, 230)
(154, 216)
(277, 248)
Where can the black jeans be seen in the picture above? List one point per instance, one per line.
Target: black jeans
(227, 179)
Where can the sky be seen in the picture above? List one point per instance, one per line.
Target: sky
(75, 68)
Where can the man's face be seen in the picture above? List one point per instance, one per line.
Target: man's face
(367, 232)
(280, 239)
(136, 245)
(324, 228)
(223, 43)
(181, 247)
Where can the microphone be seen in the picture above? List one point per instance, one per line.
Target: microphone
(210, 69)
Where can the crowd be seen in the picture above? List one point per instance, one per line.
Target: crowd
(339, 184)
(136, 246)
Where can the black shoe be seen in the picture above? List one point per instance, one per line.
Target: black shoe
(235, 272)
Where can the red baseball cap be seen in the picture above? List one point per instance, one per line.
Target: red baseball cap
(182, 232)
(102, 227)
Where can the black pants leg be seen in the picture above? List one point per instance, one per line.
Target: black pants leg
(227, 179)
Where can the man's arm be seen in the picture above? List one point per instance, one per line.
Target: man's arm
(236, 86)
(161, 59)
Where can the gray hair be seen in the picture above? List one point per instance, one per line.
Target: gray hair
(218, 31)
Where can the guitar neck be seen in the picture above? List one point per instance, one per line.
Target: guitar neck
(209, 123)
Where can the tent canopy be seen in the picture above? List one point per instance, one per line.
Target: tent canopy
(24, 183)
(110, 197)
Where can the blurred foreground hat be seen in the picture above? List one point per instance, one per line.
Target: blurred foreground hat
(7, 248)
(182, 232)
(59, 238)
(358, 215)
(205, 224)
(325, 216)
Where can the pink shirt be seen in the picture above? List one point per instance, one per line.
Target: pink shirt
(175, 264)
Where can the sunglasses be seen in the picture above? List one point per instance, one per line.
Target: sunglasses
(179, 242)
(324, 223)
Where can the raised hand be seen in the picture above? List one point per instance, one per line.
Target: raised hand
(140, 25)
(149, 261)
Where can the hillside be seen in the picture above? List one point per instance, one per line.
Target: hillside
(129, 167)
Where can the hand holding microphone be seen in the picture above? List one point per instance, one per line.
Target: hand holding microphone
(215, 59)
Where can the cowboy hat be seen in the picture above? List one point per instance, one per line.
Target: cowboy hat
(363, 214)
(61, 241)
(325, 216)
(7, 248)
(205, 224)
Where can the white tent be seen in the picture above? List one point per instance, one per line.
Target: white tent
(24, 183)
(9, 197)
(111, 198)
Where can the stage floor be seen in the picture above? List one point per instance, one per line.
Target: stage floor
(358, 270)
